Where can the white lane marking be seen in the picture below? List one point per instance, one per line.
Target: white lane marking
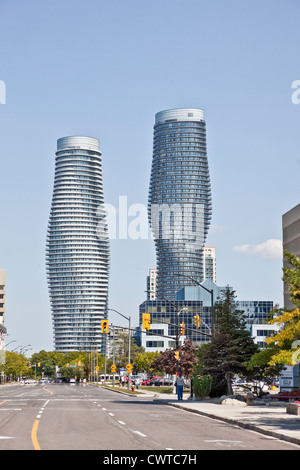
(140, 433)
(226, 443)
(11, 409)
(122, 422)
(42, 409)
(111, 414)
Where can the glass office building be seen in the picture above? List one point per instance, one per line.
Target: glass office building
(163, 312)
(77, 254)
(179, 205)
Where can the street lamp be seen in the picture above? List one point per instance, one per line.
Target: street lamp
(177, 311)
(211, 292)
(23, 347)
(177, 316)
(13, 341)
(128, 319)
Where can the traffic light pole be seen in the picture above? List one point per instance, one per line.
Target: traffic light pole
(211, 292)
(129, 336)
(113, 354)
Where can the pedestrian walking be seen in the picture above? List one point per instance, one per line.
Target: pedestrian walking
(179, 387)
(137, 383)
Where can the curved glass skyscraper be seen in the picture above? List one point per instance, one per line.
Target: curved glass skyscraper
(179, 205)
(77, 254)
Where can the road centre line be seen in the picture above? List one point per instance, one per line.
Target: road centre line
(33, 435)
(35, 426)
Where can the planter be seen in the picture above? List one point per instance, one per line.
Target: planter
(250, 401)
(293, 408)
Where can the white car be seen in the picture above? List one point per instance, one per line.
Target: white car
(72, 381)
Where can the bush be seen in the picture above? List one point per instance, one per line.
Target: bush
(202, 385)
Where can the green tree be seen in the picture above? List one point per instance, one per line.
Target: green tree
(47, 361)
(262, 363)
(144, 362)
(16, 365)
(231, 346)
(121, 350)
(287, 339)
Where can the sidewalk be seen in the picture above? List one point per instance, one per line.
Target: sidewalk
(270, 420)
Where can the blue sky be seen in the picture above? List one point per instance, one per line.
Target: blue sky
(103, 69)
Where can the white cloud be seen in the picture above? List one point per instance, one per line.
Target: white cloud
(270, 249)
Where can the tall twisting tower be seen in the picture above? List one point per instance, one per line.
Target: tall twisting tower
(77, 254)
(179, 205)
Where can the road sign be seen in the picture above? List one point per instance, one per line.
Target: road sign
(129, 368)
(113, 368)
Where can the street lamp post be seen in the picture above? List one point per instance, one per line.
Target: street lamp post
(129, 342)
(177, 311)
(211, 292)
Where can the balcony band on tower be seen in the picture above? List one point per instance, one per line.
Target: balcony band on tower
(179, 204)
(77, 254)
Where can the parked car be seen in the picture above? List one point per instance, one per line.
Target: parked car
(43, 381)
(155, 382)
(167, 382)
(151, 381)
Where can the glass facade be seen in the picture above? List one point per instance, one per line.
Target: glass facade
(179, 204)
(162, 311)
(255, 312)
(77, 253)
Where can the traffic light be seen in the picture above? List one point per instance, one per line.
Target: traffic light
(182, 328)
(104, 326)
(176, 354)
(146, 321)
(197, 320)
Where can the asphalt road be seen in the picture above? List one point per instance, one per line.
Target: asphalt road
(85, 417)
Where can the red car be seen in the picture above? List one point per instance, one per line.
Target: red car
(147, 381)
(153, 380)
